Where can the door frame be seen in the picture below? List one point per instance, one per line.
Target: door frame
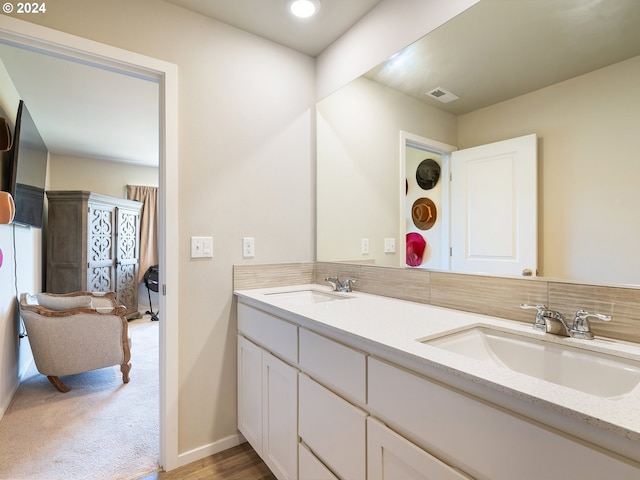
(53, 42)
(411, 139)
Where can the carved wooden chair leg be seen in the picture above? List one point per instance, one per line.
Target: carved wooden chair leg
(125, 368)
(56, 382)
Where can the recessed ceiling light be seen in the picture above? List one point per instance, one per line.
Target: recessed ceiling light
(304, 8)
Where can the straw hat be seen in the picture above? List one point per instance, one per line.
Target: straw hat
(424, 213)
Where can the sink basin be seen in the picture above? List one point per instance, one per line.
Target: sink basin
(307, 297)
(592, 372)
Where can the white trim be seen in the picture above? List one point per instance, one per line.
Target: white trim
(54, 42)
(6, 402)
(210, 449)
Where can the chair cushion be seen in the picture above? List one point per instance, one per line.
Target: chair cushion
(63, 303)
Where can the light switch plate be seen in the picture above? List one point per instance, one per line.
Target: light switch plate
(389, 245)
(248, 247)
(201, 247)
(365, 246)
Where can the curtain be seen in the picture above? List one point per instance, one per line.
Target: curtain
(148, 225)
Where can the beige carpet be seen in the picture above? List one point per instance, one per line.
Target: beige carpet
(102, 429)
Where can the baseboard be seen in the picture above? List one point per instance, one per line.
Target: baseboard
(210, 449)
(6, 401)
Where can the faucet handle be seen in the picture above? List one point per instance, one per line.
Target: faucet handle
(581, 326)
(335, 283)
(541, 310)
(347, 283)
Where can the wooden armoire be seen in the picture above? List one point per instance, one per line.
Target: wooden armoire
(93, 244)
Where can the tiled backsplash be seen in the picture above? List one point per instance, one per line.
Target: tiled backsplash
(496, 296)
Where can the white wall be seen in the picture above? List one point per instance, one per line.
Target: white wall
(99, 176)
(588, 169)
(15, 354)
(246, 159)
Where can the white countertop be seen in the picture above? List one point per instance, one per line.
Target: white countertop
(394, 326)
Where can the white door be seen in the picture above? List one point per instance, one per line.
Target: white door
(494, 208)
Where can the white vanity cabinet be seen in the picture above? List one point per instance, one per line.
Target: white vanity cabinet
(268, 390)
(320, 404)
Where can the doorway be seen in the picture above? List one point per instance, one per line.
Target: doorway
(424, 201)
(52, 42)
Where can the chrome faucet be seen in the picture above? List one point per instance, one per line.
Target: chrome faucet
(552, 321)
(547, 320)
(338, 286)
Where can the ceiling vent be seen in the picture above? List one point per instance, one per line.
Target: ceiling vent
(442, 95)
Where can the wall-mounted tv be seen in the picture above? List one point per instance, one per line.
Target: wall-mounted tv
(24, 170)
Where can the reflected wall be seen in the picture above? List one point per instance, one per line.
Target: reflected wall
(358, 171)
(588, 168)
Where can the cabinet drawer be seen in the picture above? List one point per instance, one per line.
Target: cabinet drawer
(480, 439)
(310, 467)
(333, 429)
(276, 335)
(339, 367)
(390, 457)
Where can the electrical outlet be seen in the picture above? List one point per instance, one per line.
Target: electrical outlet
(365, 246)
(248, 247)
(389, 245)
(201, 247)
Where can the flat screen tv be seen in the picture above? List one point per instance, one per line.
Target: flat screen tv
(24, 170)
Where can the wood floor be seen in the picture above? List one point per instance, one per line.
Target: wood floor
(237, 463)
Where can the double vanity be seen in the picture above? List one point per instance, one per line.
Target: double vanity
(358, 386)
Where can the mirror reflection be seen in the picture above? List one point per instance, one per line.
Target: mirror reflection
(566, 71)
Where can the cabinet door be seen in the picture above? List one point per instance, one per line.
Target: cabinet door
(390, 457)
(127, 257)
(280, 417)
(101, 249)
(250, 392)
(311, 467)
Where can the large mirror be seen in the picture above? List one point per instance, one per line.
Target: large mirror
(567, 71)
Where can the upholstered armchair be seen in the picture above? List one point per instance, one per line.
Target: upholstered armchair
(76, 332)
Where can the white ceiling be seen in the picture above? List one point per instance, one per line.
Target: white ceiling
(271, 20)
(87, 112)
(498, 50)
(84, 111)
